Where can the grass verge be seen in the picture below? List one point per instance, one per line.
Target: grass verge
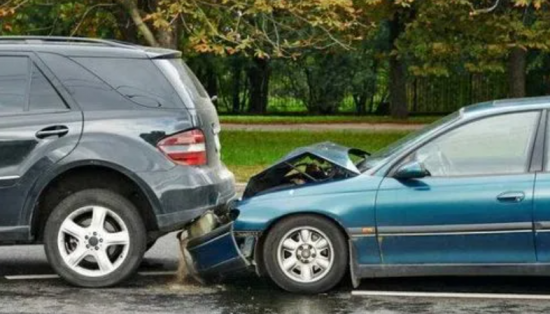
(323, 119)
(246, 153)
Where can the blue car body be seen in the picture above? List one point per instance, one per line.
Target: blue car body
(458, 225)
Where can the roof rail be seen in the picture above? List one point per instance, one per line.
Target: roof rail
(31, 39)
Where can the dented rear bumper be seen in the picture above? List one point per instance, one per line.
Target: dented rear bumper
(220, 253)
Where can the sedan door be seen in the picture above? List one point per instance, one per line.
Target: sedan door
(475, 207)
(37, 129)
(541, 211)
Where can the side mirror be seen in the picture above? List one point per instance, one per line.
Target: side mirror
(411, 170)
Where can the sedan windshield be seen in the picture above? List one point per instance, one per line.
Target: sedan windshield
(396, 146)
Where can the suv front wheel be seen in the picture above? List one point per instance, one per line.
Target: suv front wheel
(95, 238)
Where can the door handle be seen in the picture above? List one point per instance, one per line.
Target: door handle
(56, 130)
(511, 197)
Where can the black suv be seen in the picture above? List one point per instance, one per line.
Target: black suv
(104, 147)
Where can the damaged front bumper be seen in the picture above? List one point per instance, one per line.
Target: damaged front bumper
(220, 253)
(215, 249)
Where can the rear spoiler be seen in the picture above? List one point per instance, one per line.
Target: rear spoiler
(160, 53)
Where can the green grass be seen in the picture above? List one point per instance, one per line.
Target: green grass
(273, 119)
(247, 153)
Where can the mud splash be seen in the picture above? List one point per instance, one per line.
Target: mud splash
(203, 225)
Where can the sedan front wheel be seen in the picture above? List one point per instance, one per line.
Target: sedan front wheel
(305, 254)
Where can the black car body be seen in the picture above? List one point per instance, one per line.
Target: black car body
(81, 114)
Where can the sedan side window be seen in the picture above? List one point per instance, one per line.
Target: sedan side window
(495, 145)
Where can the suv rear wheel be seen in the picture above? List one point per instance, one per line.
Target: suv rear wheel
(95, 238)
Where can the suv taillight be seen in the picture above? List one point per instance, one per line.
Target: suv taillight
(187, 148)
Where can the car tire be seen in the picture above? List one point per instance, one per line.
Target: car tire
(320, 262)
(95, 238)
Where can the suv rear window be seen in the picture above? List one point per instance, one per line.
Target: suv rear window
(138, 80)
(184, 80)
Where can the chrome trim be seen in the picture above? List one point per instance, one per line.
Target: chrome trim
(451, 269)
(458, 228)
(451, 233)
(370, 235)
(544, 225)
(361, 231)
(9, 178)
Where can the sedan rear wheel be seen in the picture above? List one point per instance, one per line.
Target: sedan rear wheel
(305, 254)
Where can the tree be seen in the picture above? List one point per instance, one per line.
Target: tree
(398, 14)
(63, 18)
(478, 40)
(369, 69)
(259, 29)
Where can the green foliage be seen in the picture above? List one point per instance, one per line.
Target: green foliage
(259, 28)
(62, 18)
(273, 119)
(335, 53)
(477, 42)
(320, 80)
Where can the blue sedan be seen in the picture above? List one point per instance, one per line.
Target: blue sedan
(467, 195)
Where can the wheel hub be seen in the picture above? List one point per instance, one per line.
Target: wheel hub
(93, 241)
(306, 253)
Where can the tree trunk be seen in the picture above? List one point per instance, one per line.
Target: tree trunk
(258, 76)
(126, 26)
(211, 83)
(360, 101)
(236, 90)
(133, 11)
(516, 72)
(373, 87)
(398, 81)
(168, 38)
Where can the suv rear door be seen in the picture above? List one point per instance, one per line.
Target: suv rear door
(37, 129)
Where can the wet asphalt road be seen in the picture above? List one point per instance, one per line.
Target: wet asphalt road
(160, 294)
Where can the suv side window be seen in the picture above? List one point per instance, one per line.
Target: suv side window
(43, 96)
(90, 92)
(138, 80)
(495, 145)
(14, 83)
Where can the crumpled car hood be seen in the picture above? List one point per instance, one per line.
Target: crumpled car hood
(332, 152)
(337, 155)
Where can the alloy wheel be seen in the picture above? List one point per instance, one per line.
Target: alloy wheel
(305, 254)
(93, 241)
